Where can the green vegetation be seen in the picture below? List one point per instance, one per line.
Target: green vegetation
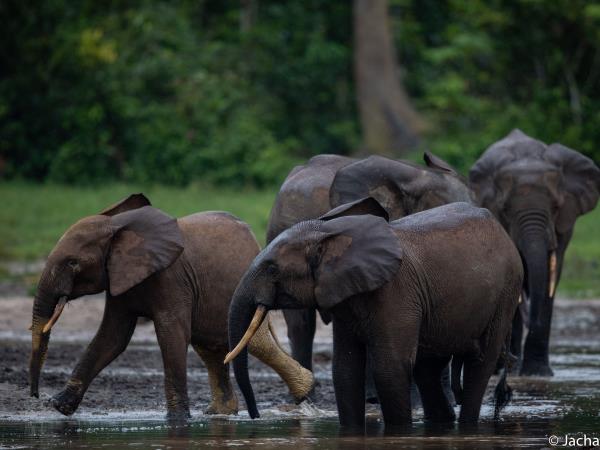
(234, 93)
(33, 218)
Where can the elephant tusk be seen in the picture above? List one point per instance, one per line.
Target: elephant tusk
(57, 312)
(552, 272)
(257, 320)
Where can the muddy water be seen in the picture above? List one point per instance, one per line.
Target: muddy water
(124, 407)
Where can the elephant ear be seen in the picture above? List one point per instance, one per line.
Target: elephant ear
(366, 205)
(581, 184)
(394, 184)
(357, 254)
(145, 241)
(434, 162)
(134, 201)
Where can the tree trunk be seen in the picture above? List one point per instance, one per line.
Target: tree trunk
(248, 12)
(390, 125)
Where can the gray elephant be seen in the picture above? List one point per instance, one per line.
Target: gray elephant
(411, 293)
(537, 192)
(179, 273)
(327, 181)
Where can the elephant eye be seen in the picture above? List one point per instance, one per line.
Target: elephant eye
(73, 263)
(272, 270)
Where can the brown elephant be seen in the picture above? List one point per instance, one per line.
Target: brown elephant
(327, 181)
(411, 294)
(180, 273)
(537, 192)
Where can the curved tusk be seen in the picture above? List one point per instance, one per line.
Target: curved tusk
(57, 312)
(257, 320)
(552, 273)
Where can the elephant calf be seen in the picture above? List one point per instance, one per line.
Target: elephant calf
(179, 273)
(411, 293)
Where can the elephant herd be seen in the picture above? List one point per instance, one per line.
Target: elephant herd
(417, 268)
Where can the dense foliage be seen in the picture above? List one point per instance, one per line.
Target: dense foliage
(186, 90)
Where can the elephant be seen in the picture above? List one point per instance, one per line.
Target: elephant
(537, 192)
(411, 293)
(327, 181)
(179, 273)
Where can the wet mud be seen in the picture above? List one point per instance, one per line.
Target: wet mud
(124, 406)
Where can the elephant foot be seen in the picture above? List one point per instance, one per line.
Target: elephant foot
(65, 402)
(441, 417)
(227, 408)
(178, 416)
(535, 368)
(301, 385)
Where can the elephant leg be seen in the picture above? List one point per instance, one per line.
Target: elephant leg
(428, 376)
(516, 339)
(348, 368)
(476, 375)
(446, 385)
(265, 347)
(301, 325)
(370, 389)
(173, 339)
(224, 400)
(393, 373)
(110, 341)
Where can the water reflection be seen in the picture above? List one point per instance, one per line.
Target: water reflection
(292, 433)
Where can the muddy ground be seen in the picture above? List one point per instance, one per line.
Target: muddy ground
(134, 381)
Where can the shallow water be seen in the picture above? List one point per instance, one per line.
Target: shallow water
(568, 403)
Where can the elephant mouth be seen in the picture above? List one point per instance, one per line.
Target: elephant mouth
(60, 306)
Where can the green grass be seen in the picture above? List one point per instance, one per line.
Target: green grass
(33, 217)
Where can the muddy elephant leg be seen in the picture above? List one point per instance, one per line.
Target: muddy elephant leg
(224, 400)
(173, 339)
(348, 368)
(110, 341)
(266, 348)
(428, 376)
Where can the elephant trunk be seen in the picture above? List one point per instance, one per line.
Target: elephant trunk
(534, 245)
(241, 313)
(47, 306)
(43, 308)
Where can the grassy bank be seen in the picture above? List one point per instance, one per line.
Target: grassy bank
(33, 217)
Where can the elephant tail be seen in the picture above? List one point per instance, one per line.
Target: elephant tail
(455, 384)
(503, 392)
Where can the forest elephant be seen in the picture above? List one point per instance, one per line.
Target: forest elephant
(411, 293)
(537, 192)
(180, 273)
(327, 181)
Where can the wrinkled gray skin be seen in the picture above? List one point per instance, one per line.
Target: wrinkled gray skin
(537, 192)
(179, 273)
(327, 181)
(411, 294)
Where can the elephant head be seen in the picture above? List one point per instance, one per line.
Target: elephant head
(113, 251)
(314, 264)
(537, 191)
(402, 188)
